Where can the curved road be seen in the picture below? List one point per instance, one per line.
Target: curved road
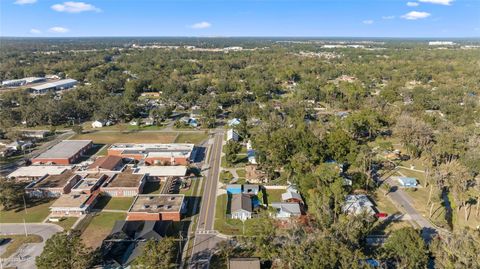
(26, 257)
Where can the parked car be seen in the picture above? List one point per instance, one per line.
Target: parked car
(381, 215)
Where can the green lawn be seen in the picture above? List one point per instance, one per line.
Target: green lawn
(240, 163)
(16, 241)
(222, 223)
(241, 173)
(226, 176)
(36, 212)
(114, 203)
(66, 223)
(100, 226)
(195, 138)
(274, 195)
(127, 137)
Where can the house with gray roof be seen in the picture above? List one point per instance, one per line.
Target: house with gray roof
(241, 206)
(286, 210)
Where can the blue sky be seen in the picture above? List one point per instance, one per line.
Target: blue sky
(357, 18)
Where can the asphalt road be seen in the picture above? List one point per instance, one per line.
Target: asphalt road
(205, 237)
(401, 199)
(25, 256)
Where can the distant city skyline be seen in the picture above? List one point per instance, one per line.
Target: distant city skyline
(217, 18)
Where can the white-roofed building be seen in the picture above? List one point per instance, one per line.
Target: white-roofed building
(286, 210)
(358, 204)
(54, 86)
(161, 172)
(34, 172)
(232, 135)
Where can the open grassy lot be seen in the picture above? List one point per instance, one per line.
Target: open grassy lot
(195, 138)
(66, 223)
(16, 241)
(114, 203)
(274, 196)
(100, 226)
(127, 137)
(36, 212)
(241, 162)
(222, 223)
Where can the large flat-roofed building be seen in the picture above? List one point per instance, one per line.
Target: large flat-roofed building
(22, 81)
(106, 163)
(53, 185)
(34, 172)
(124, 184)
(165, 154)
(156, 207)
(64, 153)
(73, 205)
(90, 183)
(156, 173)
(58, 85)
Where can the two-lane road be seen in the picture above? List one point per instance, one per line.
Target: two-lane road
(205, 238)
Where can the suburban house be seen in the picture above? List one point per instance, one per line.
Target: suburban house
(286, 210)
(154, 154)
(232, 135)
(35, 172)
(101, 123)
(241, 207)
(407, 182)
(53, 185)
(292, 195)
(127, 240)
(124, 184)
(251, 155)
(358, 204)
(233, 122)
(155, 207)
(106, 163)
(244, 263)
(73, 205)
(64, 153)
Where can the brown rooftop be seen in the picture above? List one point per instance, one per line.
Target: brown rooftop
(55, 181)
(125, 179)
(157, 203)
(71, 200)
(106, 162)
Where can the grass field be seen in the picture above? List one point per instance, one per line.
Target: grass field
(100, 226)
(16, 241)
(128, 137)
(222, 223)
(274, 195)
(36, 212)
(66, 223)
(114, 203)
(195, 138)
(241, 173)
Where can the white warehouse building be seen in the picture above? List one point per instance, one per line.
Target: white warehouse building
(54, 86)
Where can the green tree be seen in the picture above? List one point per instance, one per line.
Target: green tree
(78, 129)
(157, 254)
(232, 148)
(406, 247)
(65, 250)
(11, 194)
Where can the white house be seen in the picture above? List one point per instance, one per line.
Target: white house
(98, 124)
(286, 210)
(233, 122)
(358, 204)
(241, 207)
(232, 135)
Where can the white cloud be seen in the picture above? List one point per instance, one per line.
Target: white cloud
(412, 4)
(58, 30)
(35, 31)
(201, 25)
(416, 15)
(25, 2)
(388, 17)
(438, 2)
(75, 7)
(367, 22)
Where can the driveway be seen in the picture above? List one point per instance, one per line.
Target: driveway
(25, 256)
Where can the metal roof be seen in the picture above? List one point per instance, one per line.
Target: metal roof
(64, 149)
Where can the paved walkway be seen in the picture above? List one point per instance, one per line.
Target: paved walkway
(24, 258)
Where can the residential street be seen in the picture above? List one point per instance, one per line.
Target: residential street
(205, 237)
(25, 257)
